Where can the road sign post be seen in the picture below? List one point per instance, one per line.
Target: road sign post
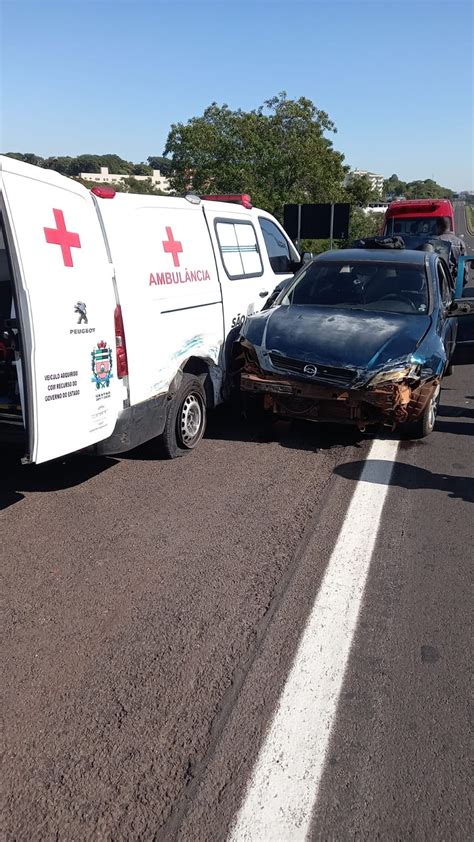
(331, 227)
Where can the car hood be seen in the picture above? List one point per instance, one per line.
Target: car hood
(339, 337)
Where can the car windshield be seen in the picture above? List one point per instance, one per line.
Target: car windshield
(411, 225)
(370, 285)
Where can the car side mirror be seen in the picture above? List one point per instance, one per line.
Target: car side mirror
(461, 307)
(305, 258)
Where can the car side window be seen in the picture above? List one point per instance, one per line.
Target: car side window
(239, 249)
(277, 247)
(444, 286)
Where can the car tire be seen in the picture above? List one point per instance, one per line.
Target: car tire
(185, 419)
(449, 370)
(422, 428)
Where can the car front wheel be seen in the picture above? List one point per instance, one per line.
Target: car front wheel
(425, 424)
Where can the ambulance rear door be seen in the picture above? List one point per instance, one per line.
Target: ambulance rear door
(65, 300)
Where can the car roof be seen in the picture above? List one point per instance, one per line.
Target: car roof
(375, 255)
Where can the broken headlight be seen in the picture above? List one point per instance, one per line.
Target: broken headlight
(394, 373)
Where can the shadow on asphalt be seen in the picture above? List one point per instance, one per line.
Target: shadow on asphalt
(457, 428)
(52, 476)
(410, 478)
(224, 424)
(227, 425)
(445, 411)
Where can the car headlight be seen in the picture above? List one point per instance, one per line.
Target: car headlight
(396, 373)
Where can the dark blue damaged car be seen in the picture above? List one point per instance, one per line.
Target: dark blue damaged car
(358, 336)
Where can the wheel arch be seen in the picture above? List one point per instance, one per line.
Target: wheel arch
(207, 371)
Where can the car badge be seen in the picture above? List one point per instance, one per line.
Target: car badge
(311, 370)
(81, 310)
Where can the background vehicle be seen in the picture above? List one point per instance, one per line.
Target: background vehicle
(416, 216)
(359, 336)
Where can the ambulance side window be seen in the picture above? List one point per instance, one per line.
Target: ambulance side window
(277, 247)
(239, 249)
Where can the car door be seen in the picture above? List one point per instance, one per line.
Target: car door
(447, 327)
(65, 301)
(464, 350)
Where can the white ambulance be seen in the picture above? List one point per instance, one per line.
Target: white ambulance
(117, 311)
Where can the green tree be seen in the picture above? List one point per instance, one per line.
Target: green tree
(427, 189)
(62, 164)
(142, 169)
(360, 191)
(159, 162)
(394, 187)
(419, 189)
(364, 225)
(116, 164)
(278, 153)
(132, 185)
(27, 157)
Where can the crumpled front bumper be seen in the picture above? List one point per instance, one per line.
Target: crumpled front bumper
(388, 403)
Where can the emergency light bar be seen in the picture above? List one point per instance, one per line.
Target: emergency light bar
(414, 207)
(103, 192)
(236, 198)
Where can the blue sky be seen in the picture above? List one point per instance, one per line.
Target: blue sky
(99, 76)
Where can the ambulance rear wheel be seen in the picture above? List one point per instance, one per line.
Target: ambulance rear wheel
(186, 418)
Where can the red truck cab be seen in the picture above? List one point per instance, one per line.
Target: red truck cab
(416, 216)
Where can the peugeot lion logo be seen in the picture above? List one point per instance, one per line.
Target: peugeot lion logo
(311, 370)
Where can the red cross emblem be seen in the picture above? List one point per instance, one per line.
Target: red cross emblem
(172, 246)
(59, 236)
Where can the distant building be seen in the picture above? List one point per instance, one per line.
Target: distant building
(376, 207)
(104, 177)
(376, 180)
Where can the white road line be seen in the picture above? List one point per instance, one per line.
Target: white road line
(285, 780)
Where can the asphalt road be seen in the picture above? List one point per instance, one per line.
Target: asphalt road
(154, 611)
(463, 231)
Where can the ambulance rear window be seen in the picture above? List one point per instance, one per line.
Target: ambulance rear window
(239, 249)
(411, 225)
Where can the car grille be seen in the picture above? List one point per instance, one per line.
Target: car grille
(324, 372)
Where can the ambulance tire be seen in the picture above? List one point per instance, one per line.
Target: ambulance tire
(185, 419)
